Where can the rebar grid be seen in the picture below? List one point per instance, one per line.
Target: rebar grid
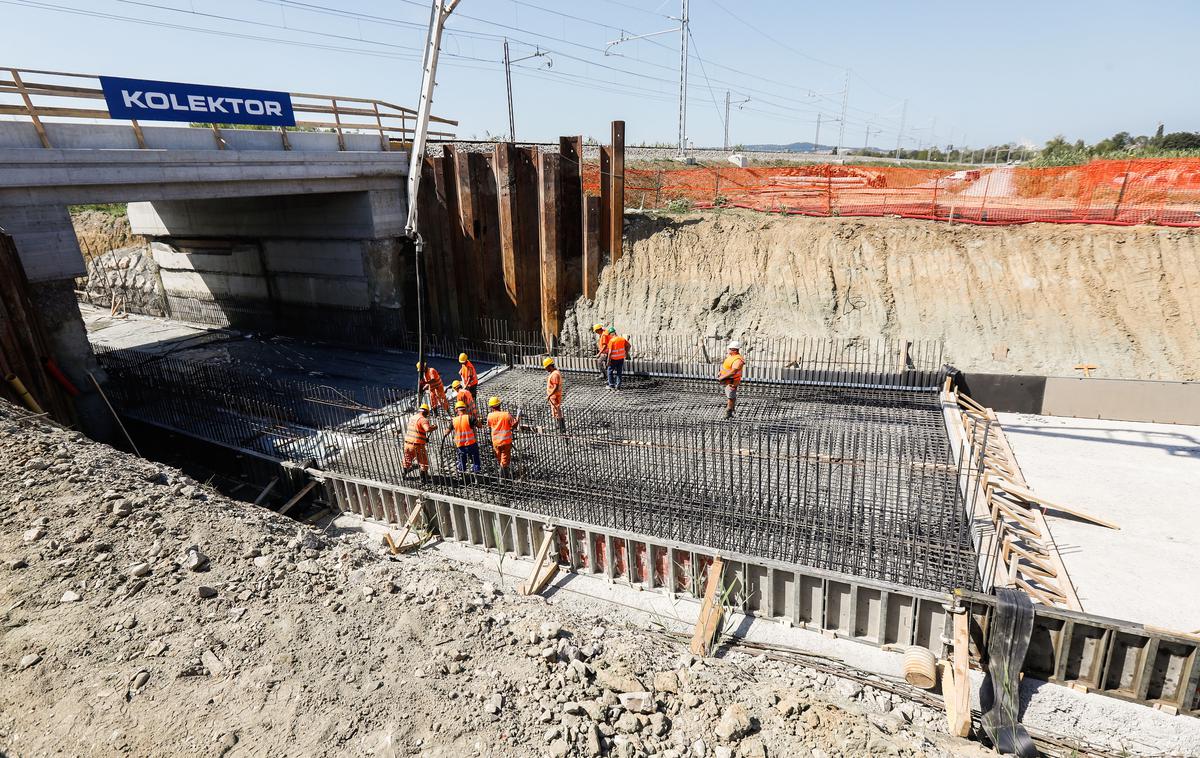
(850, 479)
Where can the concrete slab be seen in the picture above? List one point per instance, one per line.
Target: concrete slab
(1143, 476)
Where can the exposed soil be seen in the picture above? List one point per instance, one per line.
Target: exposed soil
(146, 614)
(1039, 298)
(100, 231)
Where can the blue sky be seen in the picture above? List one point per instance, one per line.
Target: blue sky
(986, 72)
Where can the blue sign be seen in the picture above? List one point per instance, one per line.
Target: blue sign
(147, 100)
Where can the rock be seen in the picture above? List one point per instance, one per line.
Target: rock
(194, 560)
(699, 749)
(666, 681)
(593, 745)
(139, 569)
(723, 751)
(819, 753)
(618, 679)
(559, 748)
(140, 680)
(752, 748)
(32, 659)
(574, 709)
(597, 632)
(848, 689)
(811, 719)
(593, 709)
(212, 663)
(70, 596)
(17, 563)
(550, 630)
(204, 591)
(308, 567)
(34, 534)
(494, 703)
(734, 723)
(637, 702)
(262, 562)
(628, 724)
(489, 590)
(155, 649)
(789, 706)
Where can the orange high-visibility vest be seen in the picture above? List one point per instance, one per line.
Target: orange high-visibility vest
(554, 388)
(466, 396)
(602, 343)
(501, 424)
(418, 430)
(731, 369)
(464, 433)
(469, 376)
(434, 380)
(616, 347)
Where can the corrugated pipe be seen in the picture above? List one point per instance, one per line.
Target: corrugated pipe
(19, 387)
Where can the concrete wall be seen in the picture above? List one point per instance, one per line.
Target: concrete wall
(1085, 397)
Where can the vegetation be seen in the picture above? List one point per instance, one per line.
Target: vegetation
(1120, 146)
(116, 210)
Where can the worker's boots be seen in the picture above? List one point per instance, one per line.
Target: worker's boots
(425, 478)
(562, 425)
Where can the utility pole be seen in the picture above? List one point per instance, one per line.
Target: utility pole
(817, 139)
(683, 64)
(845, 102)
(900, 134)
(512, 129)
(728, 102)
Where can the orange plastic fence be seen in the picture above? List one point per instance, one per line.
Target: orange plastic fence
(1165, 192)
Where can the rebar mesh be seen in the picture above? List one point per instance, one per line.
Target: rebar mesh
(849, 478)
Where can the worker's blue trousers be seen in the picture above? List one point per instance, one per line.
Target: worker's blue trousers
(471, 453)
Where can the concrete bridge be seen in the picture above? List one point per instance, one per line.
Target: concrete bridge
(310, 217)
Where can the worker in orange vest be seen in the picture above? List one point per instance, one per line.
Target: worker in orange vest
(502, 423)
(465, 443)
(468, 374)
(431, 381)
(554, 393)
(731, 375)
(601, 349)
(617, 350)
(416, 437)
(459, 392)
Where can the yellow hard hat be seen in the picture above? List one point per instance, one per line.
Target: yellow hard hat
(597, 327)
(424, 406)
(462, 357)
(460, 404)
(418, 364)
(493, 401)
(546, 362)
(455, 384)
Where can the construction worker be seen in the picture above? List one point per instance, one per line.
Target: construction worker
(554, 393)
(468, 374)
(601, 349)
(502, 423)
(416, 437)
(465, 443)
(459, 392)
(431, 381)
(731, 375)
(618, 348)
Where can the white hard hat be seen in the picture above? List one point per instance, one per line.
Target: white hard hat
(735, 345)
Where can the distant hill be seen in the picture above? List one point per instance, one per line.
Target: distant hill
(794, 147)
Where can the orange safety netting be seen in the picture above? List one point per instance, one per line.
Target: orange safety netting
(1165, 192)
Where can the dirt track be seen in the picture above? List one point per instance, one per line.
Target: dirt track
(1037, 299)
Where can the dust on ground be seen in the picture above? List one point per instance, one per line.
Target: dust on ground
(1038, 298)
(144, 613)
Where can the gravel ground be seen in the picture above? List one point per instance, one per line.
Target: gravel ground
(146, 614)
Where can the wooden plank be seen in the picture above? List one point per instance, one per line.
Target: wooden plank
(33, 112)
(571, 216)
(401, 545)
(708, 624)
(591, 246)
(605, 200)
(297, 497)
(956, 684)
(1025, 494)
(544, 568)
(266, 491)
(550, 246)
(617, 209)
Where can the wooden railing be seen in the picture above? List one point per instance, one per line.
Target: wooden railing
(48, 97)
